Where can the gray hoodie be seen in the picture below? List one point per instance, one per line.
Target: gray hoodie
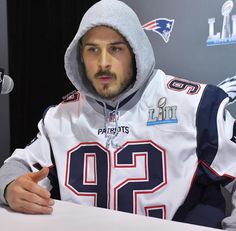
(119, 16)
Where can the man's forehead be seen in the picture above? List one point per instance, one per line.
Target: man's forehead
(103, 33)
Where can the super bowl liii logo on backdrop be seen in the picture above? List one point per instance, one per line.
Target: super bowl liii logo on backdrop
(163, 114)
(226, 36)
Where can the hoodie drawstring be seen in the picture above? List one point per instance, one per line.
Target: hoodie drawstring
(110, 137)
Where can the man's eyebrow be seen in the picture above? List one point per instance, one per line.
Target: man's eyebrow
(112, 43)
(119, 43)
(89, 44)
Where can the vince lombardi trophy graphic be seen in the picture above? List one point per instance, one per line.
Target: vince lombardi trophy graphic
(226, 36)
(225, 11)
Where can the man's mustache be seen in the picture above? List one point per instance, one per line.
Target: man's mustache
(105, 72)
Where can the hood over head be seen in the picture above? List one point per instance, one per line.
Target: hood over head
(115, 14)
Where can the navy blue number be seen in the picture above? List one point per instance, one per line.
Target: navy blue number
(76, 173)
(127, 197)
(181, 85)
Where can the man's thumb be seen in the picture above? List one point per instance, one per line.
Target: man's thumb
(41, 174)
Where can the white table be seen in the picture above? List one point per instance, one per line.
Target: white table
(72, 217)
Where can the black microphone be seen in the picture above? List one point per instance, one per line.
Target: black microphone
(6, 83)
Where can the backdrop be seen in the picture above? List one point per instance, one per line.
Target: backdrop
(4, 99)
(40, 31)
(187, 53)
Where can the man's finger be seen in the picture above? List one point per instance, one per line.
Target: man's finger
(33, 187)
(32, 208)
(37, 199)
(40, 175)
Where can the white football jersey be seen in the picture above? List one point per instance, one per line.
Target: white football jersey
(142, 157)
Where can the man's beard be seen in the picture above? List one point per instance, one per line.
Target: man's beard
(107, 92)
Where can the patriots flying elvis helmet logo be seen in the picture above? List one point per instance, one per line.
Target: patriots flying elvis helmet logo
(162, 26)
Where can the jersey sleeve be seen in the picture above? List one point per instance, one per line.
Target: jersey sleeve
(30, 159)
(216, 146)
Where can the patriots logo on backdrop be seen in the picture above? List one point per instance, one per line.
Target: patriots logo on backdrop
(162, 26)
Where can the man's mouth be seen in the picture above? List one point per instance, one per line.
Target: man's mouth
(105, 79)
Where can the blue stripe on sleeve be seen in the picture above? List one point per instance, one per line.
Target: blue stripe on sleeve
(207, 135)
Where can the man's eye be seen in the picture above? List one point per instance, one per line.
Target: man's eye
(93, 49)
(116, 49)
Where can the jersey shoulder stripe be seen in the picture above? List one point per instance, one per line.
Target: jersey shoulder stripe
(207, 135)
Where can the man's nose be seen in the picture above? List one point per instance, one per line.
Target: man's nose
(105, 60)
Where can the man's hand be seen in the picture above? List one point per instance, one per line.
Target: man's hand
(25, 195)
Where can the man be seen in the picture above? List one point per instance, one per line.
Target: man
(131, 138)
